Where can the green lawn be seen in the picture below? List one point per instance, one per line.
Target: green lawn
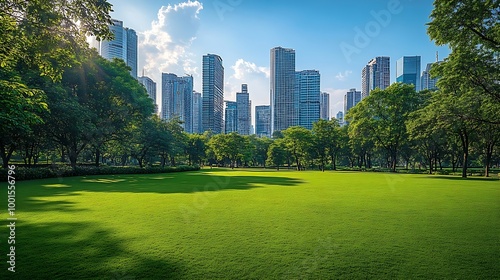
(254, 224)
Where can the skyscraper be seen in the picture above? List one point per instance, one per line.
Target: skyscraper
(244, 110)
(213, 93)
(197, 111)
(131, 51)
(408, 71)
(340, 117)
(150, 86)
(263, 121)
(376, 74)
(324, 106)
(231, 119)
(177, 99)
(284, 99)
(351, 98)
(123, 46)
(307, 85)
(426, 81)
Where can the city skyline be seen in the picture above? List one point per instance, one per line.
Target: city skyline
(174, 35)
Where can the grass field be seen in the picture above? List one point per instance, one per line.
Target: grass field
(254, 224)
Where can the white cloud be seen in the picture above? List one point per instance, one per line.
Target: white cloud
(165, 46)
(342, 76)
(256, 77)
(242, 68)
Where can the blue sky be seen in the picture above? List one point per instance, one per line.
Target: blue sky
(335, 37)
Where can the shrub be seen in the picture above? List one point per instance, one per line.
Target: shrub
(23, 173)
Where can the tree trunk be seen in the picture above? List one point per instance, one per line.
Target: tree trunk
(489, 153)
(63, 154)
(72, 159)
(6, 155)
(465, 149)
(97, 156)
(430, 165)
(394, 160)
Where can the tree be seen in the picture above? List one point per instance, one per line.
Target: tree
(93, 104)
(195, 148)
(382, 116)
(277, 154)
(146, 138)
(326, 135)
(470, 28)
(260, 155)
(298, 141)
(43, 38)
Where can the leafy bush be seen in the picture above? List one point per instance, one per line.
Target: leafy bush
(23, 173)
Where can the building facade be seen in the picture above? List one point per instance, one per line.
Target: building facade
(376, 74)
(197, 111)
(324, 106)
(307, 86)
(340, 118)
(150, 86)
(263, 121)
(231, 117)
(213, 93)
(123, 46)
(427, 82)
(283, 96)
(351, 98)
(177, 99)
(244, 111)
(408, 71)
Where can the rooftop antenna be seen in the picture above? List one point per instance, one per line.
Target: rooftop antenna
(143, 71)
(437, 56)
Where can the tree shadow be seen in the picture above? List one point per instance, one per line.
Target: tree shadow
(457, 178)
(82, 250)
(189, 182)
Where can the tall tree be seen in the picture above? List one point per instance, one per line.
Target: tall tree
(298, 141)
(382, 115)
(470, 29)
(326, 135)
(43, 37)
(277, 154)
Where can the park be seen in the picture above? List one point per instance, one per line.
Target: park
(256, 223)
(96, 185)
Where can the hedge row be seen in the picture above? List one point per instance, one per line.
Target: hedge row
(22, 173)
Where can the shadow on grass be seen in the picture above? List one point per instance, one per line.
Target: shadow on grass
(82, 250)
(189, 182)
(458, 178)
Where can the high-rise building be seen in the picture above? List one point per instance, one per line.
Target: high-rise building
(408, 71)
(213, 93)
(231, 119)
(324, 106)
(123, 46)
(150, 86)
(263, 121)
(197, 111)
(284, 98)
(244, 110)
(131, 51)
(376, 74)
(340, 117)
(427, 82)
(307, 85)
(177, 99)
(351, 98)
